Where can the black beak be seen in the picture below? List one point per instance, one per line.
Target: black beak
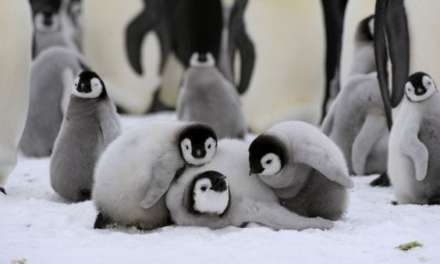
(84, 88)
(391, 27)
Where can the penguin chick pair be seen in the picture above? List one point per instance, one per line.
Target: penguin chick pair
(305, 169)
(206, 96)
(89, 126)
(414, 147)
(221, 194)
(356, 121)
(134, 173)
(52, 75)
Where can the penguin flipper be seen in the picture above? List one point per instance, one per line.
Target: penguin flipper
(162, 175)
(327, 123)
(277, 217)
(416, 151)
(372, 129)
(246, 49)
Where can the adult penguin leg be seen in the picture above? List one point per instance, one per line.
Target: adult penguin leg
(334, 11)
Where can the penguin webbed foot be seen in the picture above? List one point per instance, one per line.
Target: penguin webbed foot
(382, 181)
(101, 221)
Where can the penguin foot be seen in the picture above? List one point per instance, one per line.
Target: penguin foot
(101, 221)
(434, 201)
(382, 181)
(2, 190)
(84, 195)
(394, 203)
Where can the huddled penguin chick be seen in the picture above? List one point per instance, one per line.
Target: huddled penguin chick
(136, 170)
(52, 75)
(414, 147)
(89, 126)
(208, 97)
(356, 121)
(221, 194)
(306, 170)
(49, 29)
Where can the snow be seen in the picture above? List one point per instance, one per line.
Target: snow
(39, 227)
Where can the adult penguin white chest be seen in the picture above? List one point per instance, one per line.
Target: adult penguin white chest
(15, 53)
(414, 143)
(136, 170)
(89, 126)
(221, 194)
(356, 121)
(52, 75)
(305, 168)
(208, 97)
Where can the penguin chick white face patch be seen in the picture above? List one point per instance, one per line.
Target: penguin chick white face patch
(90, 90)
(47, 24)
(420, 87)
(271, 164)
(209, 201)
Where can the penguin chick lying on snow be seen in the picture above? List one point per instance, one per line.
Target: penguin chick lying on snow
(136, 170)
(221, 194)
(52, 75)
(208, 97)
(90, 124)
(305, 169)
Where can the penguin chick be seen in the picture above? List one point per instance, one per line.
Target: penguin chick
(221, 194)
(305, 169)
(208, 97)
(52, 75)
(414, 147)
(136, 170)
(89, 126)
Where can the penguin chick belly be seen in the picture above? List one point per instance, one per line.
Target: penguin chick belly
(319, 197)
(74, 157)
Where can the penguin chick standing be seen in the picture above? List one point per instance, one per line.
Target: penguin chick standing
(356, 121)
(306, 169)
(414, 147)
(208, 97)
(90, 124)
(52, 75)
(221, 194)
(136, 170)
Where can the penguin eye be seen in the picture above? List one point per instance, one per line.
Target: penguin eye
(209, 146)
(203, 188)
(269, 162)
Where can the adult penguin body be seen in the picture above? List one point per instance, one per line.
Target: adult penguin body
(131, 190)
(305, 169)
(89, 126)
(72, 20)
(414, 143)
(192, 203)
(15, 51)
(208, 97)
(52, 76)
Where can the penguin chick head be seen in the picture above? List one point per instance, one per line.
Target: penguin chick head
(209, 194)
(88, 85)
(46, 15)
(420, 87)
(267, 156)
(197, 144)
(202, 60)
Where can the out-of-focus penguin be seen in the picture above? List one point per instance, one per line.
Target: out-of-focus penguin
(221, 194)
(305, 169)
(49, 30)
(135, 171)
(72, 19)
(414, 148)
(356, 122)
(208, 97)
(15, 53)
(52, 75)
(89, 126)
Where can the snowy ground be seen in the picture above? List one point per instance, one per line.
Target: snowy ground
(37, 226)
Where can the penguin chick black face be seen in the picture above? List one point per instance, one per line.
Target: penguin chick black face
(88, 85)
(267, 156)
(420, 87)
(46, 15)
(198, 144)
(209, 194)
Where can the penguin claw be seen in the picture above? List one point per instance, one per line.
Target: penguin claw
(2, 190)
(382, 181)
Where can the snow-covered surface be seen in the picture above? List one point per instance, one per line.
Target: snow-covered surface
(39, 227)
